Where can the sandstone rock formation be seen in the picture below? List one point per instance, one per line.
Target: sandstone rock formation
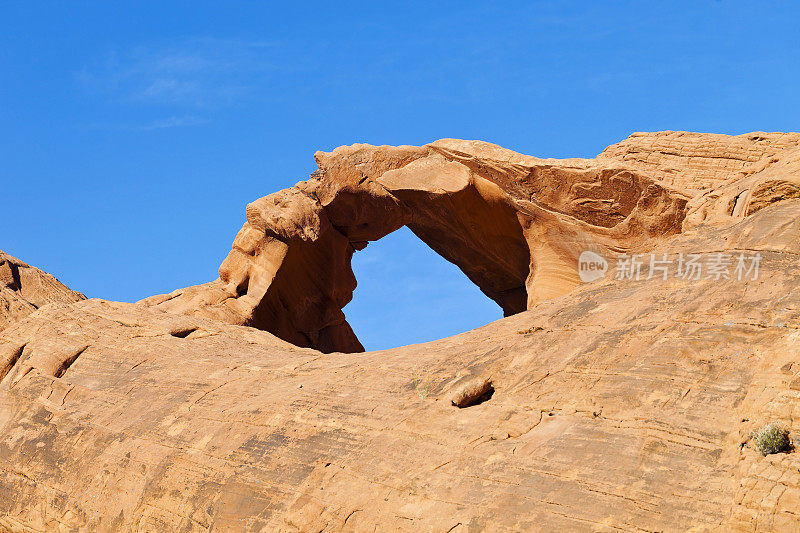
(697, 161)
(24, 289)
(514, 224)
(768, 181)
(623, 404)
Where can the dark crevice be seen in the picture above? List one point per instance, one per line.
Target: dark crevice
(242, 287)
(61, 370)
(15, 284)
(11, 362)
(474, 393)
(736, 201)
(183, 332)
(486, 396)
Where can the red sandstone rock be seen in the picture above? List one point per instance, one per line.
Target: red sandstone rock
(24, 289)
(614, 405)
(514, 224)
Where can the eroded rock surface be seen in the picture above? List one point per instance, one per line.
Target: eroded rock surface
(624, 405)
(514, 224)
(24, 289)
(698, 161)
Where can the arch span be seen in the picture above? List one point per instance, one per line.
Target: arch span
(409, 294)
(513, 224)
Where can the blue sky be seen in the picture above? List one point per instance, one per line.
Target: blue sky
(133, 134)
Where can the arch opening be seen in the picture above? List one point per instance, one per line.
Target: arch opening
(409, 294)
(514, 225)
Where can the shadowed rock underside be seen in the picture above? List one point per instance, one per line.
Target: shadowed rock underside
(613, 405)
(514, 224)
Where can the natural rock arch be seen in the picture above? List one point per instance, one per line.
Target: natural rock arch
(514, 224)
(409, 294)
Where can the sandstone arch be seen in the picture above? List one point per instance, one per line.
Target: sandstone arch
(189, 423)
(513, 224)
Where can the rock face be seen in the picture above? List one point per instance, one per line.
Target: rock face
(24, 289)
(514, 224)
(698, 161)
(771, 180)
(622, 404)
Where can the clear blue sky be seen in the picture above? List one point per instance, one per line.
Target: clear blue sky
(132, 134)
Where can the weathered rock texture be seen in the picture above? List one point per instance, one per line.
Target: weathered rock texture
(616, 405)
(24, 289)
(622, 406)
(697, 161)
(514, 224)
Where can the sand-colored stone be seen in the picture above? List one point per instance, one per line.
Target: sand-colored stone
(697, 161)
(770, 180)
(514, 224)
(24, 289)
(623, 405)
(616, 405)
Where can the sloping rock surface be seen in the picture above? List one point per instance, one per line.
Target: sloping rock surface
(24, 289)
(514, 224)
(698, 161)
(622, 404)
(625, 405)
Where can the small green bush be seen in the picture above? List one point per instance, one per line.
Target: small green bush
(422, 384)
(772, 438)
